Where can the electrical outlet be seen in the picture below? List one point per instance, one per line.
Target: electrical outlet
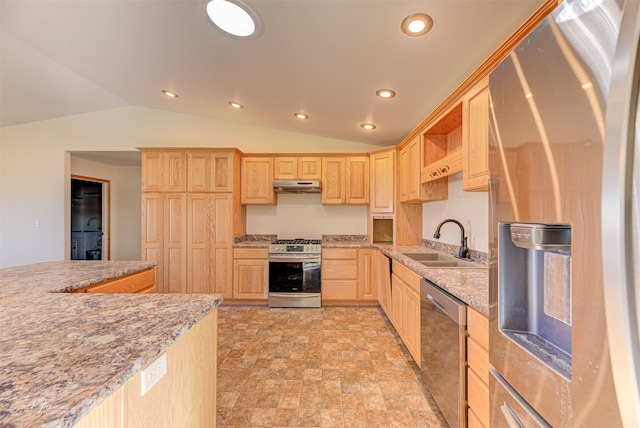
(37, 223)
(153, 373)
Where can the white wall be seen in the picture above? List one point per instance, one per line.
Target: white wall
(469, 208)
(35, 165)
(304, 216)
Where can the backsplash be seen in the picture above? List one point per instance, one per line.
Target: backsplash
(342, 238)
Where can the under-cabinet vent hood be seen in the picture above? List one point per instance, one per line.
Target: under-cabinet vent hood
(296, 187)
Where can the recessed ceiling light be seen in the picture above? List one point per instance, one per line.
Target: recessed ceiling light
(301, 116)
(368, 126)
(233, 17)
(385, 93)
(169, 93)
(417, 24)
(236, 105)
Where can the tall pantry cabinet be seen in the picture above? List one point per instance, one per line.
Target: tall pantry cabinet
(191, 213)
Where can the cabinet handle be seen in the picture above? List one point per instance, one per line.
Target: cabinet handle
(438, 304)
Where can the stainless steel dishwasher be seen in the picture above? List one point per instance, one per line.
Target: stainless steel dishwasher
(443, 320)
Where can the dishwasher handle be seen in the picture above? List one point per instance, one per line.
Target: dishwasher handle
(445, 302)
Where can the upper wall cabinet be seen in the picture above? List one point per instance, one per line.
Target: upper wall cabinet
(382, 176)
(443, 146)
(345, 180)
(297, 168)
(164, 171)
(475, 138)
(256, 181)
(211, 171)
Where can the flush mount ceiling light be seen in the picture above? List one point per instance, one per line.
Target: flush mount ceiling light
(301, 116)
(417, 24)
(233, 17)
(368, 126)
(169, 93)
(385, 93)
(236, 105)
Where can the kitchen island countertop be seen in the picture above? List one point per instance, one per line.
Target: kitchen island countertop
(63, 354)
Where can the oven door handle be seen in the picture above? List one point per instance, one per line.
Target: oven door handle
(294, 259)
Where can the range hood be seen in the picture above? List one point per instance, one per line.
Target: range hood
(296, 187)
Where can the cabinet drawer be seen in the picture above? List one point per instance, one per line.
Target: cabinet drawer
(478, 397)
(408, 276)
(340, 253)
(134, 283)
(478, 360)
(250, 253)
(478, 327)
(339, 269)
(339, 290)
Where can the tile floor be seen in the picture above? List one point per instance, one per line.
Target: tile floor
(327, 367)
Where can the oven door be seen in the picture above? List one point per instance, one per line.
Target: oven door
(294, 274)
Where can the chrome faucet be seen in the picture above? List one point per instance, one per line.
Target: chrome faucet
(463, 251)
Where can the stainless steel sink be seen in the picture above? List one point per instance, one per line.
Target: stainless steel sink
(442, 260)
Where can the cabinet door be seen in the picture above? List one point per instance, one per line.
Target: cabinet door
(153, 233)
(285, 168)
(256, 181)
(475, 142)
(384, 282)
(174, 172)
(223, 243)
(397, 304)
(199, 266)
(333, 180)
(222, 172)
(367, 289)
(357, 180)
(411, 313)
(250, 278)
(382, 180)
(152, 166)
(175, 239)
(415, 168)
(309, 168)
(198, 171)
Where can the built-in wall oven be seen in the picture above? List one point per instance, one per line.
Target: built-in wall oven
(294, 273)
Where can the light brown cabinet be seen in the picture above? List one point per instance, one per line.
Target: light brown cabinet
(184, 396)
(475, 141)
(382, 181)
(405, 304)
(339, 274)
(383, 281)
(164, 171)
(367, 290)
(297, 168)
(478, 368)
(409, 159)
(211, 171)
(142, 282)
(256, 181)
(345, 180)
(190, 234)
(250, 273)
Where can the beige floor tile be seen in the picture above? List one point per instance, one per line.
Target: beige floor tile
(286, 418)
(309, 417)
(262, 417)
(331, 418)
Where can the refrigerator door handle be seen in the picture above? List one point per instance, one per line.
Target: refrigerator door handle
(510, 416)
(620, 217)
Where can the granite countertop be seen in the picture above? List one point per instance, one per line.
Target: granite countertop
(63, 354)
(467, 284)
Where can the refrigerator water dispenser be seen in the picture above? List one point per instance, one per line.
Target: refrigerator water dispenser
(534, 285)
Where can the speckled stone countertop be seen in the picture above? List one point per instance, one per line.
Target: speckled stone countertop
(62, 354)
(467, 284)
(254, 241)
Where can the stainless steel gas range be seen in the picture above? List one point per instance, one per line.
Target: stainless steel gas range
(294, 273)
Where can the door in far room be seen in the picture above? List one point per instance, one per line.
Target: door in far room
(89, 218)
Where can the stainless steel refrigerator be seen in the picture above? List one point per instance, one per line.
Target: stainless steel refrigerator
(564, 221)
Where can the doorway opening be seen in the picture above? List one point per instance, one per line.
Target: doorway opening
(89, 218)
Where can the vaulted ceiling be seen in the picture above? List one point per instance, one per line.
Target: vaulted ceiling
(325, 58)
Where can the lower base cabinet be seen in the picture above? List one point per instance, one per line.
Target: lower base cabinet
(142, 282)
(405, 307)
(250, 273)
(477, 369)
(339, 274)
(184, 396)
